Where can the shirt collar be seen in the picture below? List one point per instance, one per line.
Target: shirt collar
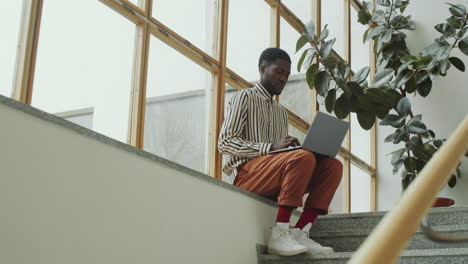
(263, 92)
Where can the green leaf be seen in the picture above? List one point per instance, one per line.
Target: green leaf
(382, 77)
(425, 87)
(397, 156)
(457, 10)
(397, 166)
(364, 37)
(438, 143)
(421, 76)
(416, 127)
(361, 75)
(452, 182)
(463, 45)
(391, 120)
(403, 77)
(355, 88)
(301, 42)
(323, 34)
(392, 97)
(342, 107)
(455, 22)
(400, 22)
(411, 164)
(411, 85)
(330, 62)
(457, 63)
(383, 2)
(377, 31)
(366, 119)
(327, 47)
(330, 100)
(341, 67)
(387, 36)
(311, 75)
(404, 106)
(446, 29)
(309, 31)
(420, 152)
(301, 60)
(322, 82)
(364, 16)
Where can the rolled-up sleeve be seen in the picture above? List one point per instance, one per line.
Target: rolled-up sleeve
(231, 140)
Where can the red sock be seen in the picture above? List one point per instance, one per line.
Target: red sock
(308, 216)
(284, 214)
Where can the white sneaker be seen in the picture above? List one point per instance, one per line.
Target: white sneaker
(302, 236)
(282, 242)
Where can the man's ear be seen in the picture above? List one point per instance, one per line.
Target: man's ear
(262, 68)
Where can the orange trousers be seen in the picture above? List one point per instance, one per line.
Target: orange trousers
(286, 177)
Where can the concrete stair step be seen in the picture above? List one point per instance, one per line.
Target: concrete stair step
(419, 256)
(368, 221)
(348, 241)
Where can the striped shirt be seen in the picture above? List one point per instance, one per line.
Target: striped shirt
(253, 122)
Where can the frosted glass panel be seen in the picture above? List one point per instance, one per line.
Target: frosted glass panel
(333, 15)
(360, 52)
(86, 64)
(193, 20)
(360, 190)
(337, 205)
(9, 26)
(296, 96)
(176, 112)
(248, 36)
(301, 8)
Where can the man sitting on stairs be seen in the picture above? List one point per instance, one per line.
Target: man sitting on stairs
(256, 124)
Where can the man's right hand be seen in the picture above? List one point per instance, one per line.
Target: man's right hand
(284, 143)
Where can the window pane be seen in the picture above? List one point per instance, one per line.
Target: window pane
(360, 190)
(86, 64)
(360, 57)
(303, 9)
(333, 16)
(248, 36)
(9, 26)
(360, 52)
(193, 20)
(177, 107)
(337, 205)
(296, 96)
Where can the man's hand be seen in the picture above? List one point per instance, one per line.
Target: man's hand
(284, 143)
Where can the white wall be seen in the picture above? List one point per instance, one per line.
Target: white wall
(442, 110)
(67, 198)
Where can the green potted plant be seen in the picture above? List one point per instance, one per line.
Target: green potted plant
(399, 74)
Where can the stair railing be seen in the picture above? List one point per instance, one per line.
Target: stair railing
(393, 233)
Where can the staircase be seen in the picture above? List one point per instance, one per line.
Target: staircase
(346, 232)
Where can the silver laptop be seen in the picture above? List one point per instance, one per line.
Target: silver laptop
(324, 137)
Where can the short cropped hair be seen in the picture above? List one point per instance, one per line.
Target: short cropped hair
(270, 55)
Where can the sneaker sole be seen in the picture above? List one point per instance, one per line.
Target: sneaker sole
(287, 253)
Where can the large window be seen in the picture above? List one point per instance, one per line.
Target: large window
(248, 36)
(359, 58)
(177, 108)
(333, 16)
(296, 96)
(9, 28)
(86, 63)
(303, 9)
(193, 20)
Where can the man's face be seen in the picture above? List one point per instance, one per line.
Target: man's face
(274, 76)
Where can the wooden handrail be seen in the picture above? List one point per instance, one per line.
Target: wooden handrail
(392, 234)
